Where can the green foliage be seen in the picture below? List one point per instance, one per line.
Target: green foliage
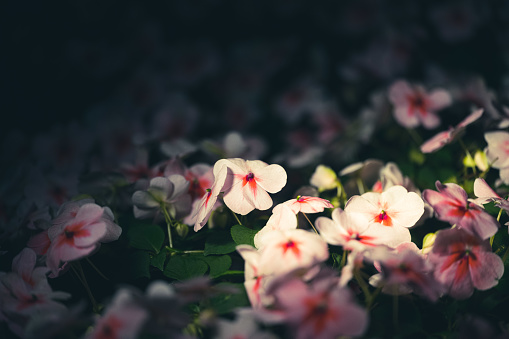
(226, 303)
(158, 260)
(243, 235)
(139, 262)
(147, 237)
(219, 242)
(182, 267)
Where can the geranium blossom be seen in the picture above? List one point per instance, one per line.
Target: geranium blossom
(348, 230)
(414, 106)
(81, 235)
(290, 249)
(247, 184)
(463, 262)
(451, 204)
(391, 212)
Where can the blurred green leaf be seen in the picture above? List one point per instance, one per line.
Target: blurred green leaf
(243, 235)
(217, 264)
(158, 260)
(185, 267)
(219, 242)
(139, 262)
(226, 303)
(147, 237)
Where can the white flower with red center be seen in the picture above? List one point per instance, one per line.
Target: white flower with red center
(389, 213)
(292, 249)
(284, 219)
(305, 205)
(498, 152)
(247, 184)
(254, 274)
(413, 106)
(351, 232)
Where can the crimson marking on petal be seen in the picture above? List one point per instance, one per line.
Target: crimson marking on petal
(292, 246)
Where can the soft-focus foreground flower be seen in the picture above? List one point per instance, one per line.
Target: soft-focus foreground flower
(170, 193)
(451, 204)
(324, 178)
(443, 138)
(463, 262)
(321, 309)
(80, 235)
(247, 184)
(391, 212)
(413, 106)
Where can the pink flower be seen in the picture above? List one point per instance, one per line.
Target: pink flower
(446, 137)
(414, 106)
(305, 205)
(464, 262)
(451, 204)
(247, 184)
(406, 271)
(320, 310)
(254, 274)
(122, 319)
(81, 235)
(498, 152)
(390, 213)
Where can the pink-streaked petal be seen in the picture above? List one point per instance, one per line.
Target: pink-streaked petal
(65, 252)
(486, 269)
(472, 117)
(89, 235)
(437, 142)
(479, 222)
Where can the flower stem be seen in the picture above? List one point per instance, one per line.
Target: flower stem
(395, 312)
(168, 223)
(78, 270)
(97, 270)
(504, 258)
(235, 215)
(309, 221)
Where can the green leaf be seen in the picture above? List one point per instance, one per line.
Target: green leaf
(226, 303)
(185, 267)
(218, 264)
(139, 262)
(147, 237)
(243, 235)
(219, 242)
(158, 260)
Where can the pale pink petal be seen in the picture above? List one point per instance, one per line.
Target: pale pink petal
(237, 201)
(23, 264)
(479, 222)
(407, 210)
(472, 117)
(429, 120)
(271, 178)
(405, 118)
(88, 235)
(88, 213)
(484, 192)
(391, 236)
(399, 92)
(439, 99)
(486, 270)
(437, 142)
